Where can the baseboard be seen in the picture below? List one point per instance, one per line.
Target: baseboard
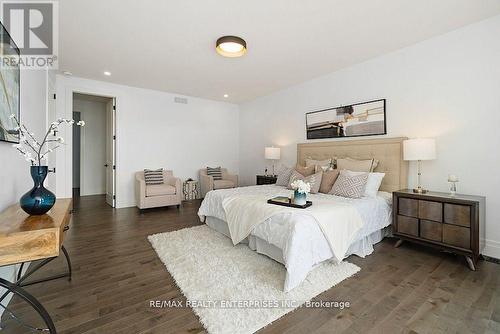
(125, 205)
(492, 249)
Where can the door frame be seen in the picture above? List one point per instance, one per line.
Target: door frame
(69, 134)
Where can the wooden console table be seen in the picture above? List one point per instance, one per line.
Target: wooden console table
(25, 238)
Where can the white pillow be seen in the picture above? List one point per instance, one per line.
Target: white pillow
(373, 183)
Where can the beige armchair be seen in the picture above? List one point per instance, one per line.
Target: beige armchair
(208, 183)
(157, 195)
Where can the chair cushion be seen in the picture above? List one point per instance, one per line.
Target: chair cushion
(223, 184)
(159, 190)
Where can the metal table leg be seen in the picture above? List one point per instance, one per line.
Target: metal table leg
(33, 302)
(31, 270)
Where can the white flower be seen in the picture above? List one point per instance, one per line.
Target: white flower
(301, 186)
(17, 146)
(81, 123)
(12, 116)
(60, 140)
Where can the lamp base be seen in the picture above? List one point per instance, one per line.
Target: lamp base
(419, 190)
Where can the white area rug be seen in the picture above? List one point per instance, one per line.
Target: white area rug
(207, 267)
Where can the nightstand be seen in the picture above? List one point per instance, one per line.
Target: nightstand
(451, 223)
(266, 179)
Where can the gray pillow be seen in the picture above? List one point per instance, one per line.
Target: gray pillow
(284, 176)
(313, 180)
(350, 186)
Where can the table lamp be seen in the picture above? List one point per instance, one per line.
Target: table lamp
(419, 149)
(272, 153)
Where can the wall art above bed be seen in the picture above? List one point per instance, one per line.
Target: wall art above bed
(360, 119)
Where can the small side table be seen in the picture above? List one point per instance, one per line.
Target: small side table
(24, 239)
(266, 179)
(455, 223)
(190, 190)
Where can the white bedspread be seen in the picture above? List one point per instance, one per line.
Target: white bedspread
(300, 238)
(339, 221)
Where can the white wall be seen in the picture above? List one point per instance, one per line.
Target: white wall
(447, 87)
(15, 179)
(152, 132)
(93, 146)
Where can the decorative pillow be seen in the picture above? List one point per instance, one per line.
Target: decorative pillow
(216, 173)
(306, 171)
(327, 180)
(283, 177)
(154, 176)
(372, 184)
(323, 164)
(351, 186)
(314, 180)
(357, 165)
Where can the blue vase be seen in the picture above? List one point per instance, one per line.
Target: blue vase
(38, 200)
(299, 198)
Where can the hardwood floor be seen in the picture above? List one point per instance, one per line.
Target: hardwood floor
(116, 273)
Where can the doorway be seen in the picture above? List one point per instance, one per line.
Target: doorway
(94, 147)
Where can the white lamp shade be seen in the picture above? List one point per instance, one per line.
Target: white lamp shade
(419, 149)
(272, 153)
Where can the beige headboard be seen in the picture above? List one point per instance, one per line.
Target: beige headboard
(389, 152)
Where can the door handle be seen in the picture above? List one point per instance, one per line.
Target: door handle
(106, 165)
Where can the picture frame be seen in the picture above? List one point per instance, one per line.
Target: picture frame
(10, 89)
(355, 120)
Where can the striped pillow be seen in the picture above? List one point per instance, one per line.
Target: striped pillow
(216, 173)
(153, 176)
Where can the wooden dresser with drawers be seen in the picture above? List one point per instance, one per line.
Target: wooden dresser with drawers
(451, 223)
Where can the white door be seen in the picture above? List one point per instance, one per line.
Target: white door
(110, 152)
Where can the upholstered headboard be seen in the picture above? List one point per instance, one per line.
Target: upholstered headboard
(389, 152)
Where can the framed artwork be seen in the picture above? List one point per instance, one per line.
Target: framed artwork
(9, 87)
(361, 119)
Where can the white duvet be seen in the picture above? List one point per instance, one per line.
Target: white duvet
(299, 235)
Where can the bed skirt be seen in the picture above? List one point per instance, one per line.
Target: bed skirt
(361, 247)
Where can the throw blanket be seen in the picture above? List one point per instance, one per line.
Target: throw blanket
(339, 222)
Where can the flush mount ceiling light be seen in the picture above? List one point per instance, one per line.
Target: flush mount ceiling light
(107, 73)
(231, 46)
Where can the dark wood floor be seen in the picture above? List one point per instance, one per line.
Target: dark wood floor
(116, 273)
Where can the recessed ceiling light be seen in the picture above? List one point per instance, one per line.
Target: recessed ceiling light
(231, 46)
(68, 73)
(226, 96)
(107, 73)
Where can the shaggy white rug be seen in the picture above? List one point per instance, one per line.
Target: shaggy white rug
(207, 267)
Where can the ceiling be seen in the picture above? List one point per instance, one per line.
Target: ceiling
(169, 45)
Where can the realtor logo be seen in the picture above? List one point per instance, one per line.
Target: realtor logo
(33, 26)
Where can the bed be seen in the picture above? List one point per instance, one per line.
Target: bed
(296, 239)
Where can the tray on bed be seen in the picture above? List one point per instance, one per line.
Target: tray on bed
(285, 201)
